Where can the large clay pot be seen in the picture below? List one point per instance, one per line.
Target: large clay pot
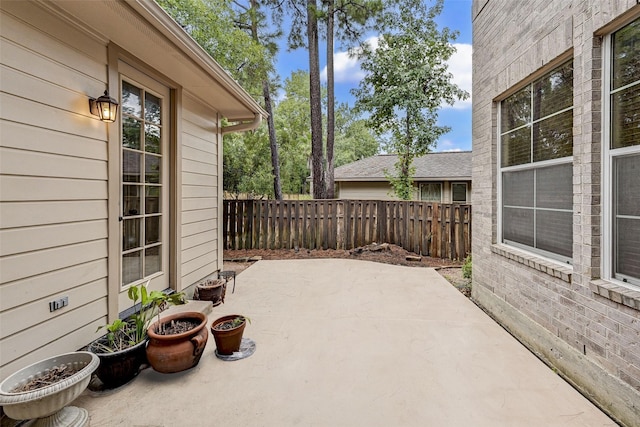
(228, 340)
(178, 352)
(119, 367)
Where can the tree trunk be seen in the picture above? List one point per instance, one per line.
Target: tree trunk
(273, 143)
(317, 158)
(266, 93)
(330, 186)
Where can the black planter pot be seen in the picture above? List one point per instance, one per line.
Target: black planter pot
(120, 367)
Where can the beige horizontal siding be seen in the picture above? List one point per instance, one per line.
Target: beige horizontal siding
(53, 186)
(23, 240)
(46, 285)
(199, 257)
(199, 215)
(37, 311)
(24, 214)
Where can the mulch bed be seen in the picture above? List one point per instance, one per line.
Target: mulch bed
(392, 254)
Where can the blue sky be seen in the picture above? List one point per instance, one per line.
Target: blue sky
(457, 16)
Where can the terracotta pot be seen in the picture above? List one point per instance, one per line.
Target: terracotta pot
(228, 340)
(212, 290)
(177, 352)
(119, 367)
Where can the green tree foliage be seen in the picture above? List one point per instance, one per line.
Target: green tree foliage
(211, 23)
(354, 139)
(406, 83)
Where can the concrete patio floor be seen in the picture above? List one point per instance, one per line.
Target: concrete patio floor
(353, 343)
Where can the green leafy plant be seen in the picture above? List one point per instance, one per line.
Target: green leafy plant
(466, 267)
(122, 334)
(232, 323)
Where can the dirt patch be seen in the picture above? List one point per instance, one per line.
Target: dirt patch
(239, 260)
(178, 326)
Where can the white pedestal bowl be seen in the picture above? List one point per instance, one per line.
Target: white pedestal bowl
(48, 404)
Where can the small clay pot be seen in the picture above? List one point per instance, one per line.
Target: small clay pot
(228, 340)
(177, 352)
(212, 290)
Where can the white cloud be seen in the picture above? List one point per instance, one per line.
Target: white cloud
(447, 146)
(346, 68)
(460, 68)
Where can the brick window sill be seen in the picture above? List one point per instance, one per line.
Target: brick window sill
(545, 266)
(616, 293)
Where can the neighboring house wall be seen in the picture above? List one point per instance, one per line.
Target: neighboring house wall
(574, 315)
(358, 190)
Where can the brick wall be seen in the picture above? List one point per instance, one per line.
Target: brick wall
(587, 327)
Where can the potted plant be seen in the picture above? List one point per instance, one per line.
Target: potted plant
(213, 290)
(123, 349)
(176, 342)
(42, 390)
(227, 332)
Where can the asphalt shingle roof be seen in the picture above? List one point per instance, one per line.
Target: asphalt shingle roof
(434, 166)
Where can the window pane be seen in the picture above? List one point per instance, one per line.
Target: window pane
(517, 188)
(130, 234)
(625, 117)
(517, 225)
(131, 166)
(553, 92)
(516, 147)
(554, 187)
(152, 169)
(627, 247)
(459, 192)
(131, 133)
(152, 200)
(554, 232)
(152, 229)
(152, 139)
(515, 111)
(152, 260)
(627, 185)
(131, 267)
(431, 192)
(131, 100)
(626, 55)
(553, 137)
(131, 200)
(152, 108)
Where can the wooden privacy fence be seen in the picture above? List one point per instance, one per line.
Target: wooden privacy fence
(432, 229)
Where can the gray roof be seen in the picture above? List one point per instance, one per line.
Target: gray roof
(455, 165)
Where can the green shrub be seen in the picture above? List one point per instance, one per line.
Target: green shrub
(466, 267)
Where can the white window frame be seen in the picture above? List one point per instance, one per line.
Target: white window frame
(550, 256)
(608, 156)
(431, 183)
(466, 192)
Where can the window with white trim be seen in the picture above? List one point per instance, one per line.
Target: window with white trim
(459, 192)
(536, 169)
(622, 155)
(431, 192)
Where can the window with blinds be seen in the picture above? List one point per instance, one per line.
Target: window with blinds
(623, 153)
(536, 169)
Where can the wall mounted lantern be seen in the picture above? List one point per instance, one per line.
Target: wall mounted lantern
(104, 107)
